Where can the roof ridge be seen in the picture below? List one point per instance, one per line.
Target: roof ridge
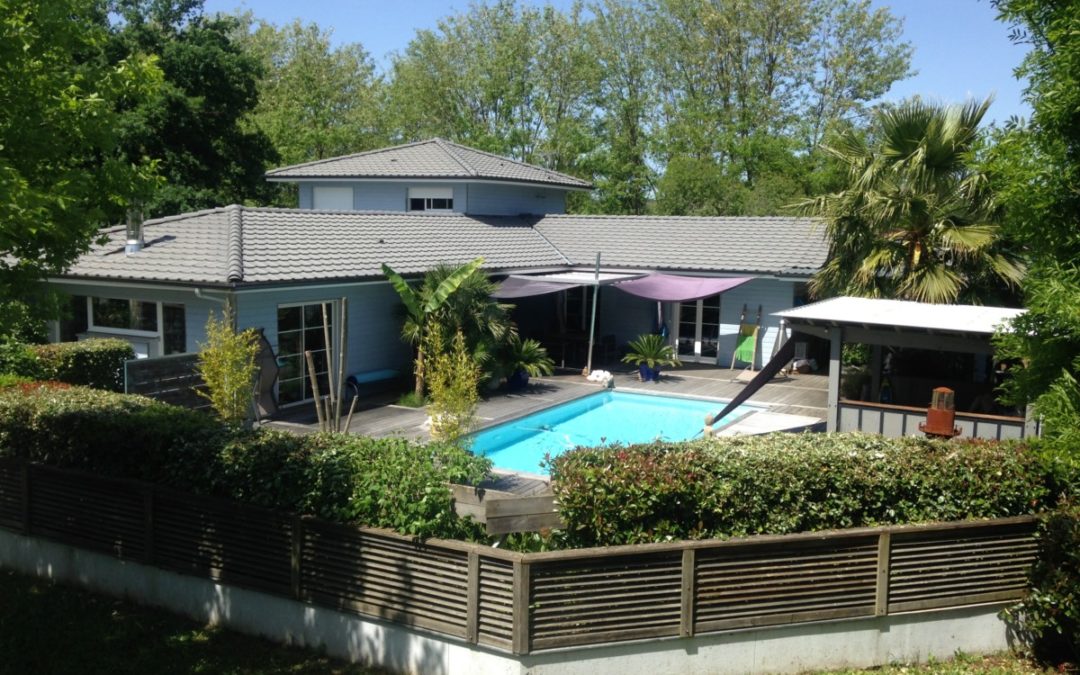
(235, 268)
(450, 149)
(532, 226)
(516, 161)
(353, 155)
(182, 216)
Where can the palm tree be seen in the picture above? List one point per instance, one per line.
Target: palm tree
(423, 303)
(917, 220)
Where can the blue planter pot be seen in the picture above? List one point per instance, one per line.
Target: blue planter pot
(649, 374)
(517, 381)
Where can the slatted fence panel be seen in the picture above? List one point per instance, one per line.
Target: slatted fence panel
(11, 495)
(389, 577)
(496, 620)
(953, 567)
(605, 599)
(784, 582)
(171, 379)
(88, 511)
(223, 541)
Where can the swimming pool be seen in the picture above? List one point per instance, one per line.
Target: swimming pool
(598, 419)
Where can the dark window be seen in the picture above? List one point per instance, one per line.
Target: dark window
(175, 341)
(416, 204)
(74, 319)
(300, 329)
(125, 314)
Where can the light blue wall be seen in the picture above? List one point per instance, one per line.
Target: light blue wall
(196, 310)
(489, 199)
(374, 327)
(493, 199)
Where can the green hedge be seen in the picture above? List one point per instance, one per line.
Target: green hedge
(97, 363)
(1050, 614)
(389, 483)
(783, 483)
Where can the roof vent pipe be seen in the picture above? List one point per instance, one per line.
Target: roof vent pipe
(134, 231)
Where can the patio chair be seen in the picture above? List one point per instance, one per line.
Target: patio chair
(746, 346)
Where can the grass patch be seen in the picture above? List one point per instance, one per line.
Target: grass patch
(411, 399)
(1004, 663)
(51, 629)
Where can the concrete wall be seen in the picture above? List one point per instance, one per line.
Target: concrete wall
(490, 199)
(826, 645)
(374, 330)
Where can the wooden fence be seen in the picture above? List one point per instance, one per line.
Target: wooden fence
(527, 602)
(172, 379)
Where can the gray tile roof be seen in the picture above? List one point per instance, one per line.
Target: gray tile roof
(241, 245)
(433, 158)
(759, 245)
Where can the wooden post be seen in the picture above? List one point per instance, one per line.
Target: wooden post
(881, 596)
(148, 524)
(472, 599)
(521, 628)
(26, 494)
(295, 555)
(836, 341)
(686, 607)
(875, 371)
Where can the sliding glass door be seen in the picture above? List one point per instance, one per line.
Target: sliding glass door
(697, 334)
(300, 329)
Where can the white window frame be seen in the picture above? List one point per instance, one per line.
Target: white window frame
(156, 338)
(334, 318)
(428, 194)
(340, 197)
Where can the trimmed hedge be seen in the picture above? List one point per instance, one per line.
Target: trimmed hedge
(782, 483)
(97, 363)
(381, 482)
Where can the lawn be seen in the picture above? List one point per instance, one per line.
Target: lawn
(48, 628)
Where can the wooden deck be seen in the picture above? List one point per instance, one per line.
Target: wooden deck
(797, 402)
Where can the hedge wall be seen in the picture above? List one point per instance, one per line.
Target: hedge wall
(381, 482)
(783, 483)
(97, 363)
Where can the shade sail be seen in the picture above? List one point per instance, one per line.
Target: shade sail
(674, 288)
(519, 287)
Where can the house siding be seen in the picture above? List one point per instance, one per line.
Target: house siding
(196, 310)
(374, 326)
(381, 195)
(489, 199)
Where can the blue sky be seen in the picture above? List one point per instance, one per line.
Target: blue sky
(961, 51)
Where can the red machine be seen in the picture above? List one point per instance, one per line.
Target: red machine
(941, 415)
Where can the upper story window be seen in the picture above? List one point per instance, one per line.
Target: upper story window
(431, 199)
(328, 198)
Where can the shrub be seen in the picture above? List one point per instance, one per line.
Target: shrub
(227, 365)
(453, 379)
(784, 483)
(391, 483)
(19, 359)
(97, 363)
(10, 380)
(1050, 614)
(106, 432)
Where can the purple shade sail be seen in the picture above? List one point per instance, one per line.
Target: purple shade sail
(674, 288)
(517, 287)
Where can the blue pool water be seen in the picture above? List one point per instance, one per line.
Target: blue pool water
(598, 419)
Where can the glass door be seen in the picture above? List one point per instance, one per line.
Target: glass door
(300, 329)
(698, 335)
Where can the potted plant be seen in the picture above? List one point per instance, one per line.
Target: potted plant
(649, 352)
(523, 359)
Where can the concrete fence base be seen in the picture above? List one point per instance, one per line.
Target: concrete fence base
(789, 649)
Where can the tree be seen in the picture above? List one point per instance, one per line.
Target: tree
(421, 304)
(315, 101)
(916, 220)
(227, 365)
(454, 379)
(194, 125)
(1035, 168)
(62, 175)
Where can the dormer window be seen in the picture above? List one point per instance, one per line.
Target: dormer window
(431, 199)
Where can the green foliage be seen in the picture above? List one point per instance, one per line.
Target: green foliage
(453, 378)
(227, 365)
(915, 220)
(410, 400)
(195, 124)
(528, 355)
(651, 350)
(390, 483)
(25, 321)
(96, 363)
(1050, 614)
(783, 483)
(11, 380)
(62, 175)
(315, 100)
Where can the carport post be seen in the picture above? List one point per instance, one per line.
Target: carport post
(836, 340)
(592, 323)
